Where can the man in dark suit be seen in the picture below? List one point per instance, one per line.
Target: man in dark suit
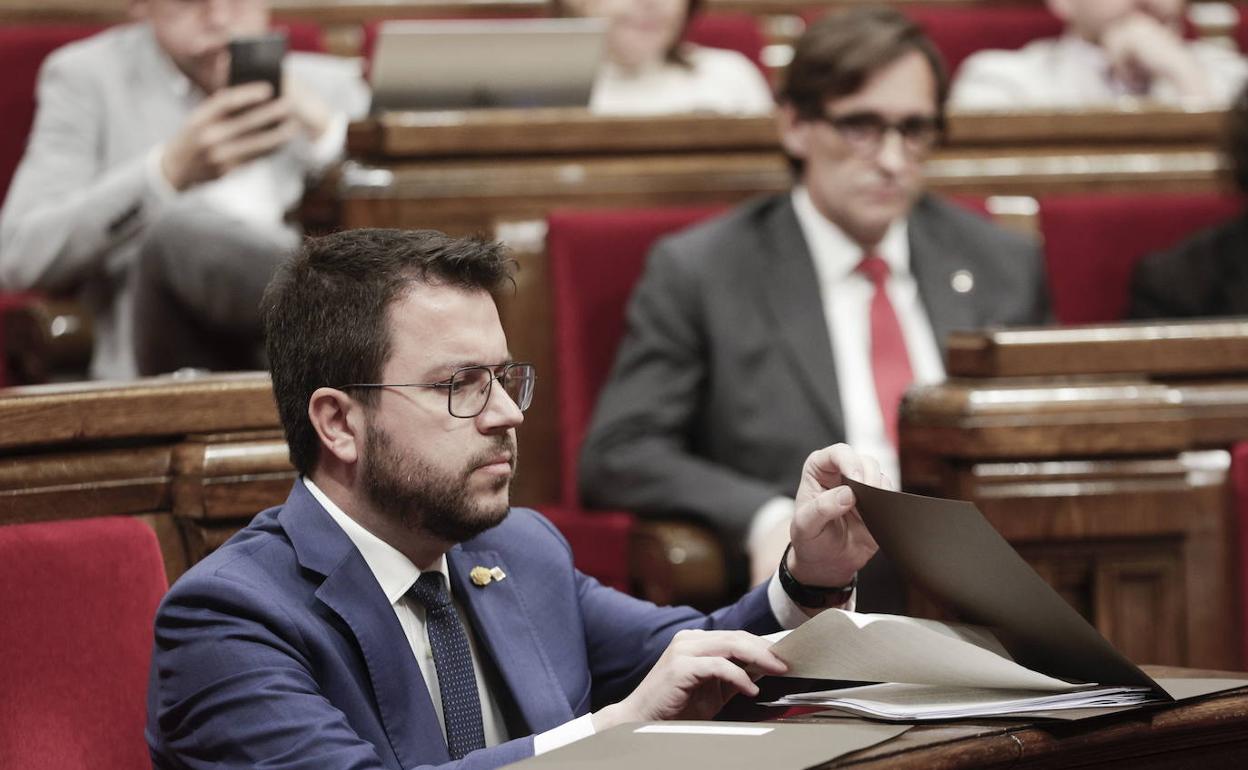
(799, 320)
(324, 634)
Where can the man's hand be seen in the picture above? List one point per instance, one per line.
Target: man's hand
(696, 675)
(231, 127)
(1142, 49)
(830, 541)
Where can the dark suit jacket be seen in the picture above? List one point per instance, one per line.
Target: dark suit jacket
(725, 380)
(1206, 275)
(280, 649)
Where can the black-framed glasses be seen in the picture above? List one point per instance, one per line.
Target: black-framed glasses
(468, 389)
(864, 131)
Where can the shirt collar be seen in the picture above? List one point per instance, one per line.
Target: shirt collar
(834, 253)
(395, 573)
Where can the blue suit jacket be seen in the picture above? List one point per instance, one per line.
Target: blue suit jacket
(281, 650)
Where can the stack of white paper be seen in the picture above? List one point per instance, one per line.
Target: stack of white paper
(933, 670)
(913, 702)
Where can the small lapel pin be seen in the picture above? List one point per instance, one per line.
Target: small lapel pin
(962, 281)
(483, 576)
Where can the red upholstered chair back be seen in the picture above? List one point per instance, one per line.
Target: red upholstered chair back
(77, 601)
(22, 50)
(596, 257)
(960, 31)
(306, 36)
(1092, 243)
(738, 32)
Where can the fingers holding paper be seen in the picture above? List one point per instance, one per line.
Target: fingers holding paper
(830, 541)
(696, 675)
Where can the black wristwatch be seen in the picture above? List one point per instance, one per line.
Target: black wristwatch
(813, 597)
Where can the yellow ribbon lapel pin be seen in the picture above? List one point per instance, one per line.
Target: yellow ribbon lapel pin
(483, 576)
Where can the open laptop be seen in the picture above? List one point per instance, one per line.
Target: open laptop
(453, 64)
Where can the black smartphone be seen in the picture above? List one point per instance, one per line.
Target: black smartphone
(258, 57)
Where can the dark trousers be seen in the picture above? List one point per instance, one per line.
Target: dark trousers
(199, 280)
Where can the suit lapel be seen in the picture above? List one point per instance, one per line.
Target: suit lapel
(505, 629)
(791, 294)
(935, 262)
(350, 590)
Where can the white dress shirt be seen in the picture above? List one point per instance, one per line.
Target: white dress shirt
(846, 296)
(716, 80)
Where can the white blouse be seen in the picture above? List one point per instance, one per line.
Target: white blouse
(717, 80)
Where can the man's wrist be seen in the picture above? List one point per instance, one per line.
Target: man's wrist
(813, 596)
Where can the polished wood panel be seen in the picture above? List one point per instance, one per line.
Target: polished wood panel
(101, 449)
(1115, 486)
(1194, 349)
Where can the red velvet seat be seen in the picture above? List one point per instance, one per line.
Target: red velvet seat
(960, 31)
(304, 36)
(77, 599)
(1092, 243)
(595, 259)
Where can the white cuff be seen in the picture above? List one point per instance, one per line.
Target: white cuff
(568, 732)
(767, 518)
(160, 187)
(331, 143)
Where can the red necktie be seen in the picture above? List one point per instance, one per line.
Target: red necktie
(890, 362)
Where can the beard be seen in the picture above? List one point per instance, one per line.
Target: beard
(419, 496)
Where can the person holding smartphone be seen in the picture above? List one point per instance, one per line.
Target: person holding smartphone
(157, 191)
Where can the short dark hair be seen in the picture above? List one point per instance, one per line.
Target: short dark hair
(326, 311)
(838, 54)
(675, 53)
(1237, 139)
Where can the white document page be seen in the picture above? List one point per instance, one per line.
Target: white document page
(837, 644)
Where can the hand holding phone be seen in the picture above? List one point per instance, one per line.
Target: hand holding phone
(233, 126)
(258, 57)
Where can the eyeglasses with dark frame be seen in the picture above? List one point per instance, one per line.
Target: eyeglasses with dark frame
(864, 131)
(468, 388)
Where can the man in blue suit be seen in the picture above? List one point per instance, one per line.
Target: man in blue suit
(324, 634)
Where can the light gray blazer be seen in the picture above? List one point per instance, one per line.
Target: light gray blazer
(725, 379)
(82, 196)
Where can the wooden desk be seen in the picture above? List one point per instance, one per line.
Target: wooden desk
(1100, 454)
(500, 172)
(1204, 734)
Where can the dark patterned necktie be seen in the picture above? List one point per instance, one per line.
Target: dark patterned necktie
(452, 658)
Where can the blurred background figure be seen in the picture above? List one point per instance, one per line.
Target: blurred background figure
(158, 193)
(1110, 49)
(1207, 274)
(797, 320)
(651, 70)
